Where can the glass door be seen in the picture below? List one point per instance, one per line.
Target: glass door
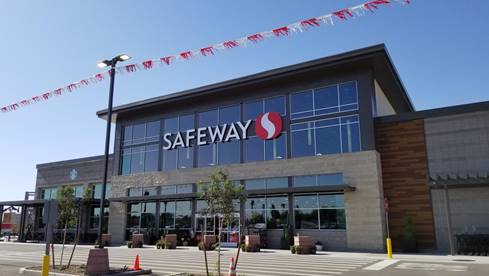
(230, 233)
(204, 225)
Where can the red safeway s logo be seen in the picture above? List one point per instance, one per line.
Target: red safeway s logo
(268, 125)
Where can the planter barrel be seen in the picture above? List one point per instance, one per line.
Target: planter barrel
(209, 240)
(305, 242)
(137, 239)
(171, 241)
(106, 239)
(252, 242)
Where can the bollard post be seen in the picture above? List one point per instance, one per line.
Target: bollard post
(45, 265)
(389, 248)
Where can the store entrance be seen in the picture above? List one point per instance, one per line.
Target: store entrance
(209, 225)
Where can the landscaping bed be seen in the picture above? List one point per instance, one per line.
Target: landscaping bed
(80, 270)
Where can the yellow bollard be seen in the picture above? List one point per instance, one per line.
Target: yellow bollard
(389, 249)
(45, 265)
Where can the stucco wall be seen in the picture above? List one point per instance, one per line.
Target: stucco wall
(459, 145)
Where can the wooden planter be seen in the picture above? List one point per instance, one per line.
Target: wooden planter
(252, 243)
(106, 239)
(137, 240)
(304, 243)
(171, 241)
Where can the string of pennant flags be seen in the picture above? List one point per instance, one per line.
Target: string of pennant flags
(284, 31)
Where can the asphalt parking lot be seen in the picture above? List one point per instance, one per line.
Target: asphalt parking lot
(269, 262)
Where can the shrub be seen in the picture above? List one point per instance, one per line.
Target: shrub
(292, 249)
(208, 247)
(129, 244)
(160, 244)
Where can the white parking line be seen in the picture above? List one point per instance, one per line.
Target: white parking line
(381, 265)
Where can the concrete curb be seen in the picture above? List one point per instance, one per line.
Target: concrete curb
(31, 272)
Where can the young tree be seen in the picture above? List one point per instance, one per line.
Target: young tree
(219, 195)
(67, 213)
(82, 204)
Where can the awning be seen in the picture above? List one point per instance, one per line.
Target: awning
(459, 180)
(312, 189)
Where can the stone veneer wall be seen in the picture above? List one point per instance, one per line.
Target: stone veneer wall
(402, 149)
(363, 207)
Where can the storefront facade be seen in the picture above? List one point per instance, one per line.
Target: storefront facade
(321, 149)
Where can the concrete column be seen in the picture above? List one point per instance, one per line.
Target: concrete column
(117, 222)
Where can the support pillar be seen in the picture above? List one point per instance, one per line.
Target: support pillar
(1, 218)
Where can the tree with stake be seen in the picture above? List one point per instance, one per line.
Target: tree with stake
(67, 213)
(83, 203)
(219, 195)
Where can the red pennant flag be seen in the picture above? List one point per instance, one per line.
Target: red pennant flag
(71, 87)
(4, 109)
(255, 38)
(343, 14)
(148, 64)
(46, 96)
(281, 31)
(167, 59)
(84, 82)
(313, 22)
(99, 77)
(58, 92)
(130, 67)
(186, 55)
(36, 99)
(25, 102)
(230, 44)
(207, 51)
(375, 4)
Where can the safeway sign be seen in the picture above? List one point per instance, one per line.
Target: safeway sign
(268, 126)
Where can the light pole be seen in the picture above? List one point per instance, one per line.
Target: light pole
(105, 63)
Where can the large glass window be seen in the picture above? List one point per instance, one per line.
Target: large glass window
(327, 136)
(207, 153)
(256, 149)
(95, 217)
(49, 193)
(266, 183)
(97, 191)
(325, 100)
(319, 211)
(141, 216)
(141, 133)
(253, 108)
(182, 157)
(140, 158)
(318, 180)
(267, 212)
(78, 191)
(175, 214)
(146, 191)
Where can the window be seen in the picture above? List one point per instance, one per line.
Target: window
(319, 211)
(182, 157)
(267, 183)
(168, 190)
(97, 191)
(318, 180)
(267, 212)
(49, 193)
(326, 100)
(252, 109)
(141, 215)
(256, 149)
(185, 188)
(327, 136)
(78, 190)
(207, 155)
(229, 152)
(141, 133)
(136, 157)
(175, 214)
(95, 217)
(147, 191)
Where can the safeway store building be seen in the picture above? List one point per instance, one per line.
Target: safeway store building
(320, 147)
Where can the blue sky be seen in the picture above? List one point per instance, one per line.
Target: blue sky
(439, 48)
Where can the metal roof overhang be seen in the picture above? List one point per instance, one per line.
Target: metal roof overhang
(315, 189)
(34, 202)
(374, 57)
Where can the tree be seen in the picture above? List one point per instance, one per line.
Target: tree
(87, 196)
(67, 213)
(219, 195)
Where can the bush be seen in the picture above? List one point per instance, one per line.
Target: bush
(160, 244)
(129, 244)
(292, 249)
(208, 247)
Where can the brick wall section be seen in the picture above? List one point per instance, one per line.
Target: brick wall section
(402, 148)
